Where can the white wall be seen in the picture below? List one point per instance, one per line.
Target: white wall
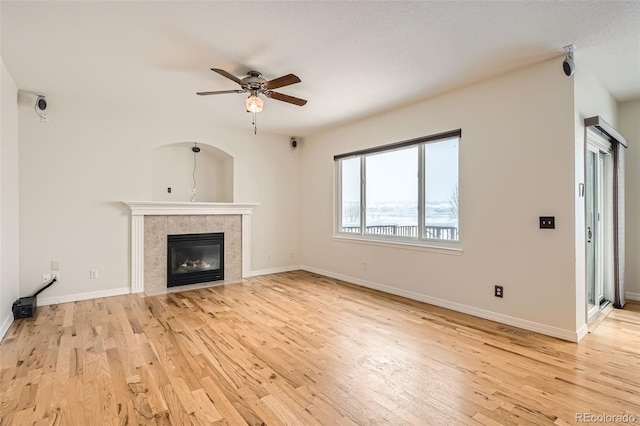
(76, 170)
(591, 99)
(516, 164)
(173, 167)
(629, 126)
(9, 276)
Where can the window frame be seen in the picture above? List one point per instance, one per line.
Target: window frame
(420, 240)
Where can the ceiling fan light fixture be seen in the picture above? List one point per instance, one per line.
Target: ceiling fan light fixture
(254, 103)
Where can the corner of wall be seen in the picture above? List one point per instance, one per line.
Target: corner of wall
(9, 266)
(579, 211)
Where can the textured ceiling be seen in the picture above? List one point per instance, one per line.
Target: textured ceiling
(354, 58)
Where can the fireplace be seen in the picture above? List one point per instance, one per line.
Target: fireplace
(195, 258)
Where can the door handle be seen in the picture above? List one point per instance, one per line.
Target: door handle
(589, 234)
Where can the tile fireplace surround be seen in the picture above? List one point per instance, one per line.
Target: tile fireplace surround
(152, 221)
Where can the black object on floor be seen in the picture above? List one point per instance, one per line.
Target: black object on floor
(25, 307)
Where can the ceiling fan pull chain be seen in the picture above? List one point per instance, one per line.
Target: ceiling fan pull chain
(255, 127)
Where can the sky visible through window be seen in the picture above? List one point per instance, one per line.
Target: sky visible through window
(392, 186)
(441, 183)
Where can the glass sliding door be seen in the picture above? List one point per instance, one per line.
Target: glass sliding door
(599, 214)
(592, 213)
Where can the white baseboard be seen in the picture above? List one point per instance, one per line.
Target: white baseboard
(572, 336)
(582, 331)
(274, 270)
(4, 327)
(83, 296)
(632, 296)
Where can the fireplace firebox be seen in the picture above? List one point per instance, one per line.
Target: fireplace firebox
(195, 258)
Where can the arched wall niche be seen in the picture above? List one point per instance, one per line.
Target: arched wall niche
(173, 167)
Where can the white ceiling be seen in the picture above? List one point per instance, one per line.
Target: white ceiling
(354, 58)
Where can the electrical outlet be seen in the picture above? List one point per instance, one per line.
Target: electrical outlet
(46, 278)
(547, 222)
(55, 265)
(188, 191)
(290, 254)
(168, 190)
(56, 275)
(93, 274)
(499, 291)
(364, 265)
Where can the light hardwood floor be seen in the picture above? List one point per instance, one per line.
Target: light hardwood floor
(302, 349)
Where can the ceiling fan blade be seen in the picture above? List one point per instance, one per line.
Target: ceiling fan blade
(220, 92)
(285, 80)
(286, 98)
(228, 75)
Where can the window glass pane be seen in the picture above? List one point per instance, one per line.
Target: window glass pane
(392, 193)
(441, 190)
(350, 195)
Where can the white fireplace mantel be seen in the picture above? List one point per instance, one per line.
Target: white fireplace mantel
(140, 209)
(170, 208)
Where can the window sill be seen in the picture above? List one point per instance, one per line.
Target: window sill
(426, 246)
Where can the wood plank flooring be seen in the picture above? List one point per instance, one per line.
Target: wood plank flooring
(301, 349)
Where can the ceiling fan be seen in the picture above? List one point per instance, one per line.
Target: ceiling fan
(256, 85)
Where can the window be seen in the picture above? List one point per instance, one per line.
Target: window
(350, 190)
(406, 191)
